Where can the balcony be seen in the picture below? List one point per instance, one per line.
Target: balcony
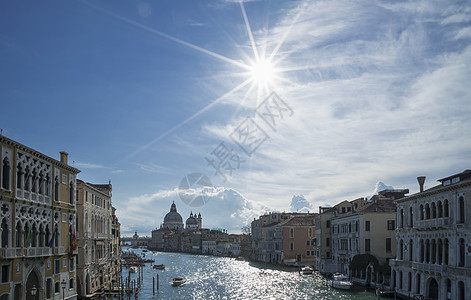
(13, 253)
(429, 268)
(59, 250)
(432, 223)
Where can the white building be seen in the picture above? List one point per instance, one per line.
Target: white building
(433, 240)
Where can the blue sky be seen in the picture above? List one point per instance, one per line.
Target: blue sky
(144, 92)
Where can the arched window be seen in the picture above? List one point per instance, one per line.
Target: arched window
(34, 185)
(19, 177)
(27, 180)
(461, 253)
(47, 236)
(6, 174)
(434, 251)
(446, 212)
(427, 211)
(427, 251)
(25, 236)
(422, 251)
(41, 184)
(5, 235)
(34, 236)
(421, 212)
(48, 182)
(401, 218)
(56, 188)
(440, 209)
(461, 210)
(18, 235)
(434, 211)
(448, 288)
(411, 217)
(57, 237)
(417, 284)
(461, 291)
(440, 251)
(401, 251)
(411, 250)
(400, 280)
(446, 250)
(409, 282)
(71, 193)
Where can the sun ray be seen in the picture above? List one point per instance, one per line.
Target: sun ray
(249, 31)
(190, 118)
(177, 40)
(285, 35)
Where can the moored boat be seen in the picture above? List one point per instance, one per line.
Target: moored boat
(307, 270)
(159, 267)
(133, 269)
(178, 281)
(340, 281)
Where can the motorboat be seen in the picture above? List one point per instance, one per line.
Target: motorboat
(240, 258)
(159, 267)
(133, 269)
(307, 270)
(340, 281)
(178, 281)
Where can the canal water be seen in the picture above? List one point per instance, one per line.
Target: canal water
(210, 277)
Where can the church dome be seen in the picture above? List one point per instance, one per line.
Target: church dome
(191, 220)
(173, 216)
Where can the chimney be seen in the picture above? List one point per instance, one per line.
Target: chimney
(64, 157)
(421, 180)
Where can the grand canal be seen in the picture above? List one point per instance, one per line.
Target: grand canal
(210, 277)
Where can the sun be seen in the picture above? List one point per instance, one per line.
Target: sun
(263, 72)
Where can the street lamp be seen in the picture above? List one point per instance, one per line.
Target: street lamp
(63, 284)
(33, 291)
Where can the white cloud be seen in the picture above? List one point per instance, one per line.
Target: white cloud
(226, 208)
(82, 165)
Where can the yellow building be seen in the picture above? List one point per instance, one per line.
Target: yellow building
(298, 234)
(37, 216)
(99, 259)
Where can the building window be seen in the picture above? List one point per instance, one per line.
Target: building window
(440, 209)
(71, 283)
(461, 291)
(307, 243)
(388, 245)
(343, 210)
(5, 233)
(56, 188)
(391, 225)
(57, 266)
(367, 245)
(48, 288)
(291, 232)
(327, 254)
(411, 250)
(409, 282)
(400, 280)
(6, 174)
(307, 253)
(291, 246)
(327, 242)
(401, 218)
(411, 217)
(427, 211)
(421, 212)
(461, 260)
(71, 193)
(57, 287)
(461, 209)
(5, 273)
(401, 250)
(327, 223)
(446, 213)
(367, 225)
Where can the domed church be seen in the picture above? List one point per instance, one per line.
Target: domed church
(173, 220)
(193, 222)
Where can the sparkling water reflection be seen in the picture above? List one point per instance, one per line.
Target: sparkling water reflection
(211, 277)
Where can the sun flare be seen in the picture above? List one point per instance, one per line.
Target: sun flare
(263, 72)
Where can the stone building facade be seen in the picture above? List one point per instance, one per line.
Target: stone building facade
(433, 240)
(38, 224)
(99, 259)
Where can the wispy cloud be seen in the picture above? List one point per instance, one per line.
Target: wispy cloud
(84, 165)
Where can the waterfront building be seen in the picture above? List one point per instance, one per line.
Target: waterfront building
(433, 237)
(173, 220)
(323, 242)
(369, 229)
(99, 259)
(38, 224)
(268, 238)
(298, 239)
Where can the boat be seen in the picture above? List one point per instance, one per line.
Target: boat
(159, 267)
(133, 269)
(307, 270)
(178, 281)
(340, 281)
(240, 258)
